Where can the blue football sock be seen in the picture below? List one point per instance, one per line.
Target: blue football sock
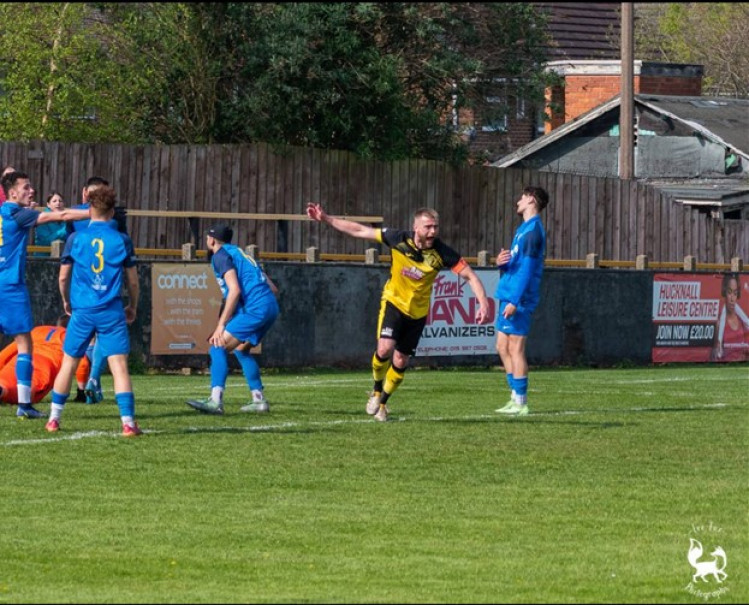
(219, 367)
(126, 404)
(250, 369)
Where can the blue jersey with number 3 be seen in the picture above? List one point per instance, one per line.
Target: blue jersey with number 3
(98, 255)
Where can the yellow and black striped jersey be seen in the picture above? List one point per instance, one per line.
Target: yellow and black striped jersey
(413, 271)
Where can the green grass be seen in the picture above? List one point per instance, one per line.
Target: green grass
(592, 498)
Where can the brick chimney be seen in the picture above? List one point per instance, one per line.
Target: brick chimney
(588, 84)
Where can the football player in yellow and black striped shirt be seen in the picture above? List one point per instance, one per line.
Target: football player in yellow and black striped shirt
(417, 258)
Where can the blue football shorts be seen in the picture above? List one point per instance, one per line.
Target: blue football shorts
(15, 312)
(519, 324)
(251, 326)
(108, 323)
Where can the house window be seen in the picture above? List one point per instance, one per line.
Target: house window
(496, 115)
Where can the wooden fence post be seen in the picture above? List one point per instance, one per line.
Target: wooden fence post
(56, 248)
(188, 252)
(591, 260)
(482, 259)
(641, 262)
(737, 264)
(371, 256)
(313, 255)
(690, 263)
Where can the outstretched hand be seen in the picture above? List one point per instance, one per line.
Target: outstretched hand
(315, 212)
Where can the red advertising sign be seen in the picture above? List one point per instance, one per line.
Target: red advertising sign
(699, 317)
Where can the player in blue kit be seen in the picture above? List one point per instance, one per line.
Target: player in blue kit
(93, 266)
(16, 220)
(250, 309)
(518, 293)
(92, 390)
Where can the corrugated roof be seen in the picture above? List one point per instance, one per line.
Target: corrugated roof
(724, 120)
(725, 117)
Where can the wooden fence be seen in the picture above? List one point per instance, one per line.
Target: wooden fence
(618, 220)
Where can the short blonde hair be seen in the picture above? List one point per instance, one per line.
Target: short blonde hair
(428, 212)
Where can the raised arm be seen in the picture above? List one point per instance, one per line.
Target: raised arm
(316, 213)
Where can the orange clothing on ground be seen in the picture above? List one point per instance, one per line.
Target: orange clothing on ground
(47, 360)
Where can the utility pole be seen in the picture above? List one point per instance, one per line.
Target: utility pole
(627, 102)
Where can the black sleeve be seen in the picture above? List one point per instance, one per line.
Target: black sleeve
(120, 215)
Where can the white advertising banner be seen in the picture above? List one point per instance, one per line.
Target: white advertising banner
(451, 327)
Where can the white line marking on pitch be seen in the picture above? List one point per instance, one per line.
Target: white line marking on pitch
(291, 425)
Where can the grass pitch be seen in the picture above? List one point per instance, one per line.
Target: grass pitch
(592, 498)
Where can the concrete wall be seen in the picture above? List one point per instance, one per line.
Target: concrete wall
(329, 316)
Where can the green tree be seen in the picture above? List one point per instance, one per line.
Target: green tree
(710, 34)
(62, 78)
(379, 79)
(173, 49)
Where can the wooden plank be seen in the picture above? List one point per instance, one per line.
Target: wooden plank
(255, 216)
(232, 158)
(616, 221)
(631, 250)
(677, 232)
(243, 191)
(575, 233)
(175, 231)
(190, 160)
(489, 222)
(265, 189)
(163, 201)
(145, 191)
(508, 210)
(587, 217)
(313, 233)
(652, 225)
(251, 170)
(566, 242)
(288, 184)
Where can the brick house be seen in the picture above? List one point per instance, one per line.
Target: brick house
(579, 32)
(694, 148)
(588, 84)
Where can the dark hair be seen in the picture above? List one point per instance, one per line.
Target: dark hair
(727, 277)
(539, 194)
(97, 180)
(53, 194)
(9, 180)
